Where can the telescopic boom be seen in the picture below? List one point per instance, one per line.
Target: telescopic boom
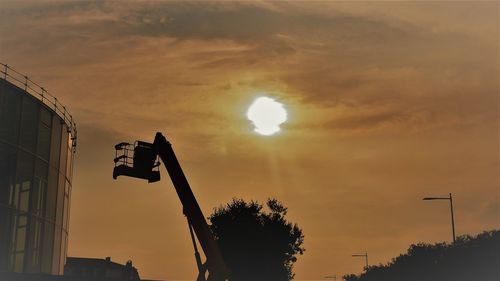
(143, 166)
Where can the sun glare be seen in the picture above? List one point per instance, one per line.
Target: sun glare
(266, 115)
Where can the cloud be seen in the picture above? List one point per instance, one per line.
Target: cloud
(366, 121)
(335, 59)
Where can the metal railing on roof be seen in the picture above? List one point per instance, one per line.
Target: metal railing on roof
(22, 81)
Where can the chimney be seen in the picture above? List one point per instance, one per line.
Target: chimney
(108, 259)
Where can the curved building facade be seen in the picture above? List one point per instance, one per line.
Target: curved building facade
(37, 145)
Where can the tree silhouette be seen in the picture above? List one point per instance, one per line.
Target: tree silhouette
(468, 259)
(257, 245)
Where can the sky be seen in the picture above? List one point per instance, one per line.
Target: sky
(387, 103)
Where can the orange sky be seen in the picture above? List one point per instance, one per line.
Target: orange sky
(388, 102)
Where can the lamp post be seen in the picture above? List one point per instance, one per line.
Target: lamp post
(365, 255)
(451, 208)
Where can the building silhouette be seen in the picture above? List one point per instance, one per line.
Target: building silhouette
(37, 146)
(97, 269)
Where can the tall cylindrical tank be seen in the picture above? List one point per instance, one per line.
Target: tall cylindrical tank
(37, 145)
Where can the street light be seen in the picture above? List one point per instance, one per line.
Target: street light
(451, 207)
(365, 255)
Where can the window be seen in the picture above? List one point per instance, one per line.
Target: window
(10, 112)
(69, 161)
(29, 124)
(66, 212)
(6, 218)
(57, 250)
(20, 238)
(55, 142)
(47, 247)
(18, 243)
(8, 163)
(62, 258)
(60, 201)
(45, 116)
(39, 187)
(34, 252)
(24, 177)
(43, 145)
(38, 194)
(14, 197)
(18, 262)
(64, 150)
(24, 196)
(51, 195)
(41, 169)
(25, 166)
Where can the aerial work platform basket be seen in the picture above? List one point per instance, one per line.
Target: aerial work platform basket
(138, 160)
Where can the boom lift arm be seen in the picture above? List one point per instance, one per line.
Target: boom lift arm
(144, 163)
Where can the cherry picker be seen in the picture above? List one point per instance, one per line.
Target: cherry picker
(140, 160)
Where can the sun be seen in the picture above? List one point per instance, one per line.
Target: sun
(266, 115)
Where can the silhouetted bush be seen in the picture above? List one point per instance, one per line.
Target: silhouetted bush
(468, 259)
(257, 245)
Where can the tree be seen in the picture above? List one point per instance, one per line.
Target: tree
(468, 259)
(257, 245)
